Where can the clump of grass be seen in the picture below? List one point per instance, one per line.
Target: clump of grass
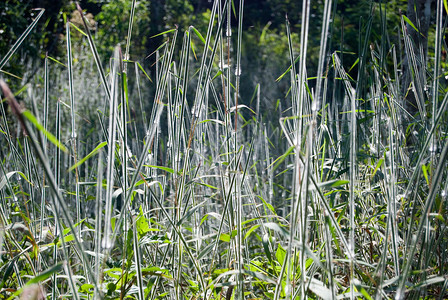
(102, 198)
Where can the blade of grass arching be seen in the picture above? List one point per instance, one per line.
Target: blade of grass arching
(245, 183)
(57, 198)
(20, 40)
(438, 175)
(295, 142)
(225, 43)
(95, 54)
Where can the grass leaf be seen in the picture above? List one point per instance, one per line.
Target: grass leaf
(92, 153)
(27, 114)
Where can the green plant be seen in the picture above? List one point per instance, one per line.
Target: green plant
(105, 196)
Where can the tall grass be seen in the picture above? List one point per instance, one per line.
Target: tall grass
(116, 185)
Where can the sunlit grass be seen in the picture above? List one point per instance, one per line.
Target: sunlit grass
(115, 185)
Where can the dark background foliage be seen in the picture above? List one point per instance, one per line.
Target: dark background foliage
(265, 53)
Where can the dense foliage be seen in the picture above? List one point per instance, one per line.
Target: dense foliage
(182, 149)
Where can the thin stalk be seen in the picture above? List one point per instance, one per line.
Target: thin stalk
(128, 40)
(74, 138)
(107, 242)
(300, 106)
(392, 207)
(57, 176)
(435, 89)
(184, 242)
(157, 111)
(352, 192)
(44, 146)
(95, 54)
(239, 236)
(138, 262)
(415, 71)
(438, 175)
(315, 106)
(98, 223)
